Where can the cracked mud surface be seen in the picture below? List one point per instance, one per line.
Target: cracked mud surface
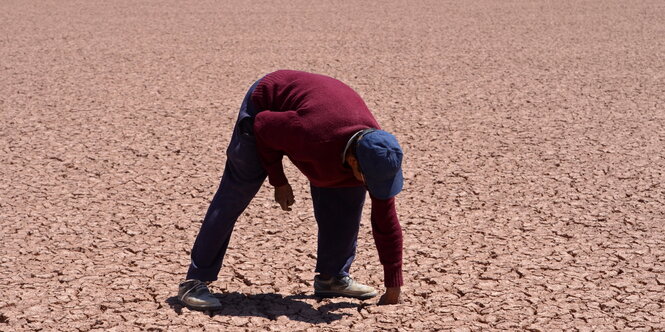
(533, 132)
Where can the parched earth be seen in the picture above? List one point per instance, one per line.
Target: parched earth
(534, 134)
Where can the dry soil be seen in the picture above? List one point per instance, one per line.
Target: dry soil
(534, 196)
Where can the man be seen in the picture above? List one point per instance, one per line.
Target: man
(327, 131)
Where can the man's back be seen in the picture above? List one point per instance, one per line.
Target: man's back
(309, 118)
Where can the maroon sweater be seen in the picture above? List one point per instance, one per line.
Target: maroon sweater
(309, 118)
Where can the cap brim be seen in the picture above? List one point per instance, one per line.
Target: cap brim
(385, 189)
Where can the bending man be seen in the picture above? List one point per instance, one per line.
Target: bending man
(327, 131)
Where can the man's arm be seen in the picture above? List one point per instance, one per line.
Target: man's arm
(387, 234)
(273, 135)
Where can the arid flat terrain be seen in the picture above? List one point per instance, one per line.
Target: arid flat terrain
(534, 139)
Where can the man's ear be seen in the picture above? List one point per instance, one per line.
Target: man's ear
(351, 160)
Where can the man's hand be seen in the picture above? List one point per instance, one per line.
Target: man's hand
(391, 296)
(284, 196)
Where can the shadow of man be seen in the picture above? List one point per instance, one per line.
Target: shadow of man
(273, 305)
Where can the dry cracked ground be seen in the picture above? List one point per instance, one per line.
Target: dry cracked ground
(534, 134)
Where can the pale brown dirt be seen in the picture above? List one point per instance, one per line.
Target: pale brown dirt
(533, 133)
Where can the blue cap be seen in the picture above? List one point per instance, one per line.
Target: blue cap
(380, 158)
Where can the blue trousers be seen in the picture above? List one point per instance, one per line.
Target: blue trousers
(337, 210)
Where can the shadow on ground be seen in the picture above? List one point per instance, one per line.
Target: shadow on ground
(273, 305)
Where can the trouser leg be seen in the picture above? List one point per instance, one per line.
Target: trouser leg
(241, 180)
(229, 202)
(338, 212)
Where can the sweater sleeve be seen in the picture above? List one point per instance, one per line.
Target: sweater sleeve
(274, 133)
(387, 234)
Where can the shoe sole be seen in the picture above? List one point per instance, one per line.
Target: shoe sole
(336, 294)
(191, 307)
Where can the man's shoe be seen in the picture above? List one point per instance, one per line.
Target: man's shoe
(342, 286)
(195, 295)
